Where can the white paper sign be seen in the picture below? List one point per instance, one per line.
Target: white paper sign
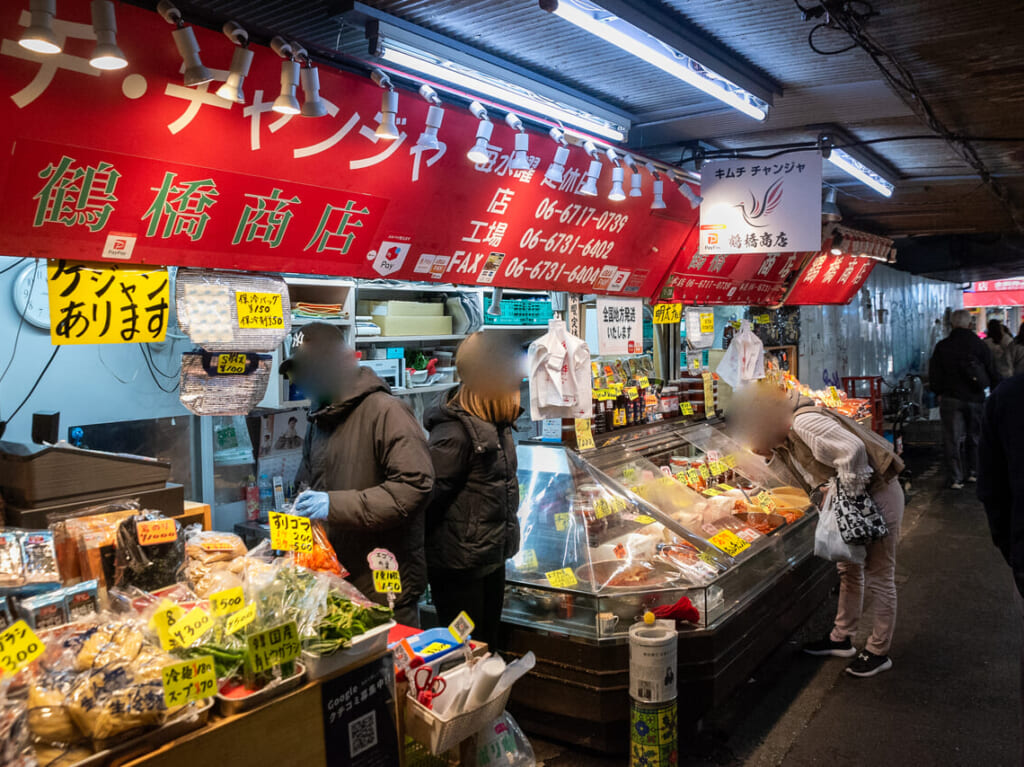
(620, 326)
(761, 206)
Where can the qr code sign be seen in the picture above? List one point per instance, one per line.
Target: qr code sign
(362, 734)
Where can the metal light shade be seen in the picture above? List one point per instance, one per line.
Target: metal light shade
(829, 210)
(556, 170)
(39, 36)
(589, 187)
(617, 194)
(520, 159)
(428, 139)
(658, 203)
(495, 308)
(195, 72)
(106, 55)
(312, 104)
(231, 90)
(479, 154)
(286, 103)
(388, 129)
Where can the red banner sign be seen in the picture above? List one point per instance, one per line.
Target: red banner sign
(1008, 292)
(732, 278)
(135, 167)
(829, 279)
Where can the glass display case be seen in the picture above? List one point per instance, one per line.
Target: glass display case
(642, 522)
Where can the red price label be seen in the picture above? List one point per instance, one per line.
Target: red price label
(154, 531)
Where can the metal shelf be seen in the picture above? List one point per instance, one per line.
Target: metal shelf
(326, 320)
(432, 389)
(538, 328)
(404, 339)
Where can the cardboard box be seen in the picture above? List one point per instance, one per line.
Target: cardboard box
(400, 309)
(396, 325)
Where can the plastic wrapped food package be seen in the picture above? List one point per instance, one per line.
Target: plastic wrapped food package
(147, 567)
(322, 558)
(14, 731)
(12, 573)
(39, 557)
(213, 561)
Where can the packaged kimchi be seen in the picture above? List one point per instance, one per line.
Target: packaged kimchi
(322, 557)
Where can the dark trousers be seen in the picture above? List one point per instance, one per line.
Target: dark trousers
(482, 599)
(961, 428)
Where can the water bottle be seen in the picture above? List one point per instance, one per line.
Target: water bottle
(266, 496)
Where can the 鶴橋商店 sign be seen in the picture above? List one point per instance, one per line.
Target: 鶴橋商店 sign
(761, 205)
(133, 166)
(829, 279)
(736, 279)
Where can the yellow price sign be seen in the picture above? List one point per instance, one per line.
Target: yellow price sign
(730, 461)
(686, 408)
(227, 601)
(602, 508)
(239, 620)
(693, 476)
(619, 417)
(704, 471)
(763, 319)
(187, 631)
(695, 363)
(106, 304)
(603, 395)
(726, 488)
(711, 492)
(632, 392)
(434, 648)
(616, 387)
(562, 579)
(836, 400)
(387, 582)
(259, 311)
(150, 532)
(668, 314)
(767, 501)
(584, 438)
(289, 532)
(717, 467)
(164, 619)
(643, 519)
(231, 364)
(729, 542)
(461, 627)
(19, 646)
(709, 395)
(643, 382)
(527, 560)
(561, 520)
(273, 646)
(707, 322)
(189, 680)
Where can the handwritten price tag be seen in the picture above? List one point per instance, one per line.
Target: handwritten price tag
(729, 542)
(231, 364)
(707, 322)
(187, 631)
(668, 314)
(227, 601)
(164, 619)
(686, 408)
(725, 488)
(603, 395)
(730, 461)
(584, 437)
(767, 501)
(643, 382)
(273, 647)
(239, 620)
(290, 533)
(763, 319)
(19, 646)
(561, 521)
(562, 579)
(705, 472)
(154, 531)
(259, 311)
(711, 492)
(189, 680)
(693, 477)
(632, 392)
(387, 581)
(643, 519)
(527, 561)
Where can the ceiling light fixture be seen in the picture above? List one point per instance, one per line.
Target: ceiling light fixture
(520, 159)
(620, 33)
(556, 170)
(850, 164)
(388, 127)
(497, 295)
(829, 210)
(635, 179)
(241, 61)
(691, 197)
(485, 85)
(309, 79)
(286, 103)
(837, 243)
(435, 115)
(479, 153)
(617, 194)
(658, 188)
(106, 55)
(39, 36)
(589, 187)
(188, 48)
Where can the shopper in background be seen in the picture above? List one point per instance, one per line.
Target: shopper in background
(472, 522)
(960, 370)
(366, 462)
(1006, 355)
(1001, 484)
(815, 445)
(1020, 335)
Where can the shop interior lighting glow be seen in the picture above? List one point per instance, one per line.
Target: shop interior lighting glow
(478, 153)
(520, 159)
(481, 84)
(597, 21)
(185, 40)
(435, 115)
(106, 55)
(837, 243)
(39, 36)
(388, 127)
(848, 163)
(241, 61)
(657, 189)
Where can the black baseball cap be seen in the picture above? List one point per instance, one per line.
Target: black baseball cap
(317, 340)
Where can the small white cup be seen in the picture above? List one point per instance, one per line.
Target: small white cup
(606, 623)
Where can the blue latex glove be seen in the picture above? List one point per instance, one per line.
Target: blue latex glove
(312, 504)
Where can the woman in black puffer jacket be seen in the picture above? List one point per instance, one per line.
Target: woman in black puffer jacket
(472, 527)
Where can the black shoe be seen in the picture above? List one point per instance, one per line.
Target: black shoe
(868, 664)
(827, 646)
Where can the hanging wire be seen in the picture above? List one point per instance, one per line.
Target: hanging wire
(39, 379)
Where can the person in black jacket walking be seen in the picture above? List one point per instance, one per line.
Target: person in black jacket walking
(960, 370)
(472, 522)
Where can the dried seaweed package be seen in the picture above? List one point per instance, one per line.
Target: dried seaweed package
(143, 564)
(12, 572)
(39, 557)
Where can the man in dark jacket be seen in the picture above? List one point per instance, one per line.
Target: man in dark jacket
(960, 370)
(1001, 483)
(366, 462)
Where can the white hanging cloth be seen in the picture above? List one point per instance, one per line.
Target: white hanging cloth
(560, 380)
(743, 361)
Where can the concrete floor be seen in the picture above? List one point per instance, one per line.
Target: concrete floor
(951, 699)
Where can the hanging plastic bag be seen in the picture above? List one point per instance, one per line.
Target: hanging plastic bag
(503, 743)
(743, 361)
(828, 541)
(321, 557)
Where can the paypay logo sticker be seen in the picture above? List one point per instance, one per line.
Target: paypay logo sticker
(389, 257)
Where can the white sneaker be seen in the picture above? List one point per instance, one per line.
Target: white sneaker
(957, 486)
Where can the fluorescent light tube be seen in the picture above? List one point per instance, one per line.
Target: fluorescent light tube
(846, 162)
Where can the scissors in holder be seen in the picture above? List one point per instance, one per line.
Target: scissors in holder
(428, 685)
